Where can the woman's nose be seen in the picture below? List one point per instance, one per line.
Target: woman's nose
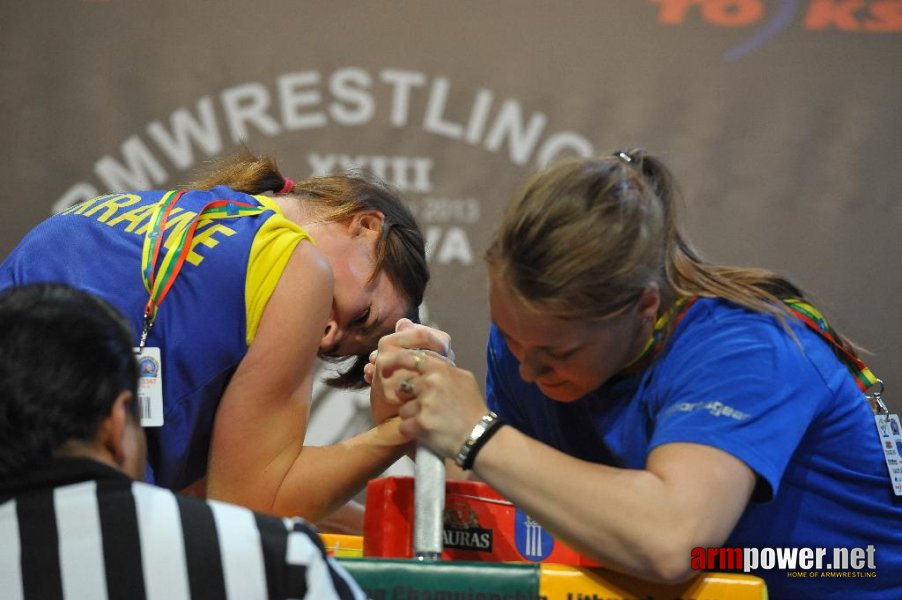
(531, 367)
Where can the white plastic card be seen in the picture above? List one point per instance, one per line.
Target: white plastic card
(890, 432)
(150, 387)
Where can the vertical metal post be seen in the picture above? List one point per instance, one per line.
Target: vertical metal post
(429, 505)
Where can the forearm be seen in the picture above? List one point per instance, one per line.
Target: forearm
(323, 478)
(347, 519)
(630, 520)
(643, 522)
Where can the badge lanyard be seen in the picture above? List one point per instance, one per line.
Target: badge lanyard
(889, 429)
(158, 282)
(669, 319)
(811, 317)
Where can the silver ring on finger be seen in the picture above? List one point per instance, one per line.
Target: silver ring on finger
(419, 360)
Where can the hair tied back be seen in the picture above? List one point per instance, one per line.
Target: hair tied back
(287, 187)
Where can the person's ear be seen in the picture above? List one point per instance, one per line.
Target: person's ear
(113, 428)
(367, 222)
(649, 302)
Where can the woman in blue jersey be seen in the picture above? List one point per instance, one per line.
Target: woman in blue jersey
(644, 404)
(234, 287)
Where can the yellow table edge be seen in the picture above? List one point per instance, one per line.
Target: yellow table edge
(566, 582)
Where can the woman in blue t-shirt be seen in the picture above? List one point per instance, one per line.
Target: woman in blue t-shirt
(655, 404)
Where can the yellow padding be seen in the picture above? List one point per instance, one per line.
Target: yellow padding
(562, 582)
(338, 544)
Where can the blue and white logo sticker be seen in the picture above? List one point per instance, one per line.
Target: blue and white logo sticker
(148, 366)
(533, 542)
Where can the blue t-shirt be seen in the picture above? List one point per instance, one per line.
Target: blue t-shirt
(788, 408)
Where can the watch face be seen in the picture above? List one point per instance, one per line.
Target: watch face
(488, 421)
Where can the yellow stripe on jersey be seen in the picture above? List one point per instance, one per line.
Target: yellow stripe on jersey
(272, 247)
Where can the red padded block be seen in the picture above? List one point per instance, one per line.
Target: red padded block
(479, 525)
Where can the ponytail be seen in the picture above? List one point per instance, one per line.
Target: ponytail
(244, 172)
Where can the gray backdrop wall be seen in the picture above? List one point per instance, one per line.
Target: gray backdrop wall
(780, 118)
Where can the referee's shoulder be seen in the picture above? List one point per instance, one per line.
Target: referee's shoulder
(287, 553)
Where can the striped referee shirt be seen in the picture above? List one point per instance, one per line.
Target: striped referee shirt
(81, 530)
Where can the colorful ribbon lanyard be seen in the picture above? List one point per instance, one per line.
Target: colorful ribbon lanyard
(158, 281)
(653, 345)
(864, 378)
(808, 314)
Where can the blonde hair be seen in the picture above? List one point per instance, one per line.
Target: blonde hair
(584, 237)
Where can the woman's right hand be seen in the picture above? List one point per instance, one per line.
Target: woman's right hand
(412, 336)
(439, 403)
(408, 336)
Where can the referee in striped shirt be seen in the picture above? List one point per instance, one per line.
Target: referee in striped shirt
(76, 522)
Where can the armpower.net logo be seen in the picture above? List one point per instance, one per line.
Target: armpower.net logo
(807, 563)
(765, 19)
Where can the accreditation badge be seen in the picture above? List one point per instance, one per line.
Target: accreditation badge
(150, 386)
(890, 432)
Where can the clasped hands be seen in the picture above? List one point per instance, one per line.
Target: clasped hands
(412, 375)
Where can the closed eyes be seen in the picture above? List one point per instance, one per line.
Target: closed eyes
(562, 355)
(362, 318)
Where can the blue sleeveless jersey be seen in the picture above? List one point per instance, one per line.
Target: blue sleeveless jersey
(201, 326)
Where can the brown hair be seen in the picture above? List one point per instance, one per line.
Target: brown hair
(583, 238)
(400, 251)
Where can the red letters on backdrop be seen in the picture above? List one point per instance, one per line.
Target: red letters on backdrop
(878, 16)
